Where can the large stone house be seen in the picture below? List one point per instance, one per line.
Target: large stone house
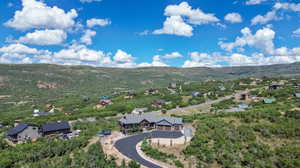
(23, 132)
(140, 122)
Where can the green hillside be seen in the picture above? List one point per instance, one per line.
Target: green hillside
(28, 86)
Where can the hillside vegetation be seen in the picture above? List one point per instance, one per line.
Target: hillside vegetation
(43, 82)
(265, 135)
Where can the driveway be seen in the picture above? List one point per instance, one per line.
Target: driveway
(127, 146)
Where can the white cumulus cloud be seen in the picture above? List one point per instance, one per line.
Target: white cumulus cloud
(89, 1)
(172, 55)
(199, 59)
(255, 2)
(20, 54)
(36, 14)
(156, 62)
(97, 22)
(87, 37)
(296, 32)
(263, 19)
(175, 25)
(288, 6)
(262, 39)
(181, 17)
(123, 57)
(44, 37)
(195, 16)
(233, 18)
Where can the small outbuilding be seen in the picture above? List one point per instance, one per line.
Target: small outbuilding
(56, 128)
(269, 100)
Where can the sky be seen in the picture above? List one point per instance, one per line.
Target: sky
(150, 33)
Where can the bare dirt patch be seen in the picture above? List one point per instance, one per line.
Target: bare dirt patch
(108, 142)
(177, 151)
(5, 96)
(45, 85)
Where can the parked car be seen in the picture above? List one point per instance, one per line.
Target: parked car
(105, 132)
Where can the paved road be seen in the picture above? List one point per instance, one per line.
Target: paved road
(127, 146)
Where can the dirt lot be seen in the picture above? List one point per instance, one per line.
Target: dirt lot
(177, 151)
(108, 142)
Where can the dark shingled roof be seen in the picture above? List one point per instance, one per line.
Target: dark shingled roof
(137, 118)
(19, 128)
(56, 126)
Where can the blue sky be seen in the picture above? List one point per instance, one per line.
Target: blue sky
(139, 33)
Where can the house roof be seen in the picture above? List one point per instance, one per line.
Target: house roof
(42, 113)
(164, 122)
(297, 95)
(196, 93)
(104, 97)
(19, 128)
(137, 118)
(140, 109)
(243, 106)
(160, 101)
(55, 126)
(269, 100)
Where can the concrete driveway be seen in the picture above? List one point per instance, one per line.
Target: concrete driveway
(127, 146)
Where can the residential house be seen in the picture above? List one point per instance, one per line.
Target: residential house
(130, 95)
(274, 86)
(159, 103)
(105, 102)
(23, 132)
(222, 88)
(98, 106)
(172, 85)
(269, 100)
(240, 107)
(139, 110)
(297, 95)
(148, 122)
(195, 94)
(55, 128)
(151, 91)
(243, 106)
(47, 106)
(296, 86)
(242, 97)
(104, 97)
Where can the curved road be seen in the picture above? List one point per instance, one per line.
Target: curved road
(127, 146)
